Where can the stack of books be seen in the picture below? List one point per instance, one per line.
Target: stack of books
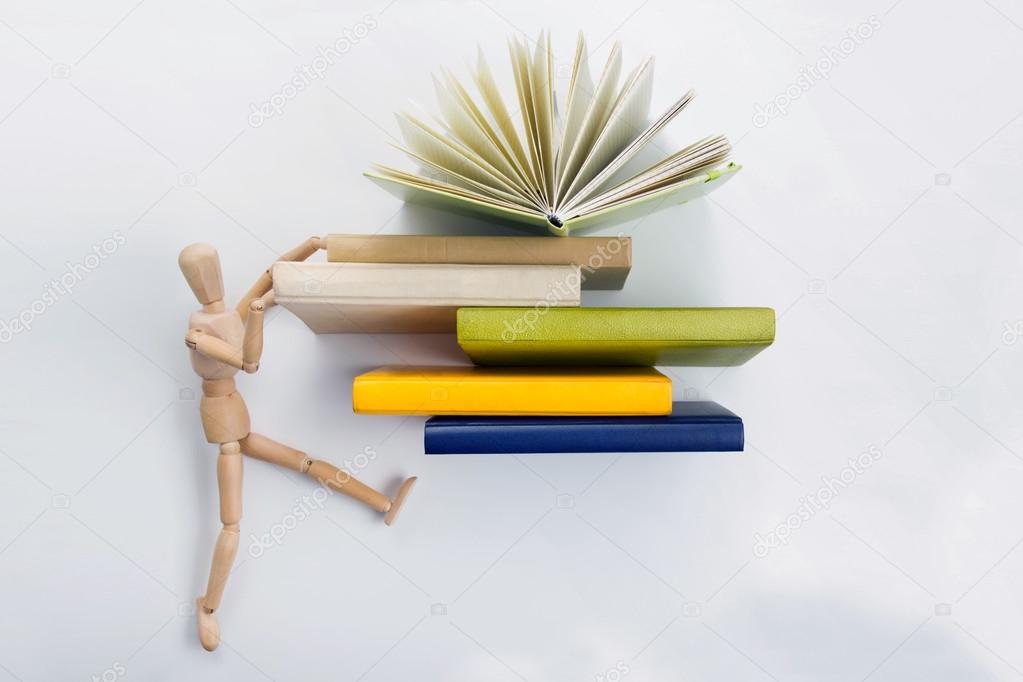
(547, 374)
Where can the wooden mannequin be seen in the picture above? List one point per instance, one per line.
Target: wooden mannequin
(222, 342)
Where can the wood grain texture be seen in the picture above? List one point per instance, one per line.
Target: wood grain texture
(220, 342)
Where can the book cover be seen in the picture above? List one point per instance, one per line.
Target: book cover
(378, 298)
(569, 163)
(604, 262)
(462, 390)
(696, 337)
(638, 207)
(692, 426)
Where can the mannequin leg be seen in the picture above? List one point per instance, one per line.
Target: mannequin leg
(229, 481)
(327, 474)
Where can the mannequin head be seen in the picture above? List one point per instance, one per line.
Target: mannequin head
(200, 265)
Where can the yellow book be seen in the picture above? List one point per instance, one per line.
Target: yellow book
(528, 391)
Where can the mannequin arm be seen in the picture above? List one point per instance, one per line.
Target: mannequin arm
(252, 345)
(245, 358)
(265, 282)
(215, 348)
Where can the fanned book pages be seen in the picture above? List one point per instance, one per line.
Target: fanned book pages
(562, 168)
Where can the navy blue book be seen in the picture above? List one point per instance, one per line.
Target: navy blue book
(692, 426)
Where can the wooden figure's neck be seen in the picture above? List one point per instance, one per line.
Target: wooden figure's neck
(213, 307)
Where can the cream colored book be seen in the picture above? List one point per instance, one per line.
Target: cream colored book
(380, 298)
(560, 164)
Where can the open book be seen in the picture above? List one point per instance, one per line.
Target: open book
(559, 170)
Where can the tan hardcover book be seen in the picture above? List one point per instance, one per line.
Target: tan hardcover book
(380, 298)
(604, 262)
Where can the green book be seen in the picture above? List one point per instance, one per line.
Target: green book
(695, 337)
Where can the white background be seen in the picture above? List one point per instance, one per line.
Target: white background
(880, 216)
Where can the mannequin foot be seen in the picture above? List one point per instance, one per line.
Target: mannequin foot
(399, 500)
(209, 628)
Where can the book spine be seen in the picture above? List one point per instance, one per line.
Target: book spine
(527, 285)
(593, 252)
(605, 262)
(563, 397)
(453, 439)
